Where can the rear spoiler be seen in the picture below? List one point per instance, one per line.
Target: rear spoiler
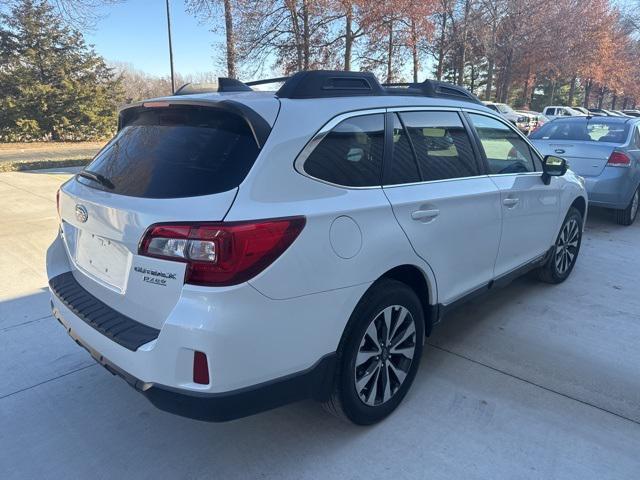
(259, 127)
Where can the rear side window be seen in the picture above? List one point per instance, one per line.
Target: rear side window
(505, 150)
(176, 152)
(442, 146)
(351, 153)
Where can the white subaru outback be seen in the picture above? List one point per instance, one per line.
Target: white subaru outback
(230, 252)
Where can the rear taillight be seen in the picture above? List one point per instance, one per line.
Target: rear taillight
(225, 253)
(619, 159)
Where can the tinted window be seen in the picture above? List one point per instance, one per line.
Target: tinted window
(550, 111)
(351, 153)
(582, 129)
(176, 152)
(403, 167)
(442, 146)
(505, 150)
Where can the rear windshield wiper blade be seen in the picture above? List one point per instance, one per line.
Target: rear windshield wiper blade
(96, 177)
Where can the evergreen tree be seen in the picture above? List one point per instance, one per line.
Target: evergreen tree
(52, 84)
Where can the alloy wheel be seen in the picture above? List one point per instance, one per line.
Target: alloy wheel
(567, 246)
(385, 355)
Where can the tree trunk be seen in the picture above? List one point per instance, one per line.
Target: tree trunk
(572, 90)
(390, 54)
(553, 91)
(348, 39)
(601, 97)
(487, 94)
(625, 102)
(231, 42)
(462, 58)
(305, 33)
(414, 51)
(443, 37)
(613, 102)
(587, 93)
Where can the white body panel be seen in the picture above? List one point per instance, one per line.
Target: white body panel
(466, 213)
(294, 312)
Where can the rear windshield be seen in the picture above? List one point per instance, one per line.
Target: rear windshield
(176, 152)
(583, 130)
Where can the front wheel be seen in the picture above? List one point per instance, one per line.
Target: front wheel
(628, 215)
(565, 251)
(379, 354)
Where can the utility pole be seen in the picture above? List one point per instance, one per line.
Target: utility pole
(173, 81)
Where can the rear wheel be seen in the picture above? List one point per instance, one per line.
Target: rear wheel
(379, 354)
(565, 251)
(628, 215)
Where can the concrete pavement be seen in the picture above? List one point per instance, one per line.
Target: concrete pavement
(534, 381)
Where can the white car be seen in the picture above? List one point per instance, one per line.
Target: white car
(230, 252)
(556, 111)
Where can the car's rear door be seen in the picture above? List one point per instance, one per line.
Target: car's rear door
(443, 199)
(530, 208)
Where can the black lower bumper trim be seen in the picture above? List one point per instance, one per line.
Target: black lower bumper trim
(315, 383)
(118, 327)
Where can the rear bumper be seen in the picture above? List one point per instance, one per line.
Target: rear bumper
(276, 351)
(613, 188)
(315, 382)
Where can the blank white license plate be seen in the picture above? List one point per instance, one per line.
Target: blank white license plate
(105, 259)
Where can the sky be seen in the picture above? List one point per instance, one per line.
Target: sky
(135, 31)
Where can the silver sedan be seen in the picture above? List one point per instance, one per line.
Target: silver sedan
(603, 150)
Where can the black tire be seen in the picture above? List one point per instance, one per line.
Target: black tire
(628, 215)
(345, 401)
(556, 272)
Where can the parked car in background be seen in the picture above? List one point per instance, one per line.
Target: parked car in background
(225, 258)
(555, 111)
(603, 112)
(582, 110)
(606, 152)
(536, 120)
(621, 113)
(522, 121)
(632, 113)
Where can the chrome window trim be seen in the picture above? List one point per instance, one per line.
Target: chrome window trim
(327, 127)
(311, 145)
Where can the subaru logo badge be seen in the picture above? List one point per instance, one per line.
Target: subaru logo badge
(81, 213)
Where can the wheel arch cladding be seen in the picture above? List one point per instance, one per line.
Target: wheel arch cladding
(414, 278)
(580, 205)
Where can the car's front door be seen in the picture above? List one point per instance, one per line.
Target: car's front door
(530, 208)
(444, 201)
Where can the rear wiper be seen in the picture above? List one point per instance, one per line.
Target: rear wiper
(96, 177)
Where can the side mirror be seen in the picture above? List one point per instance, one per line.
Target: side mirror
(553, 166)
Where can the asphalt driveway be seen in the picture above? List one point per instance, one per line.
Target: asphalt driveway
(534, 381)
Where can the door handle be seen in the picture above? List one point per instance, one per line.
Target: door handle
(422, 215)
(510, 202)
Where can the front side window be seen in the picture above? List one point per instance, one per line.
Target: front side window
(443, 148)
(505, 150)
(351, 153)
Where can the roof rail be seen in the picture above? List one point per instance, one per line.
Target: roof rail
(334, 83)
(330, 83)
(433, 88)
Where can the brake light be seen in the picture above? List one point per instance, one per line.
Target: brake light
(619, 159)
(200, 368)
(223, 253)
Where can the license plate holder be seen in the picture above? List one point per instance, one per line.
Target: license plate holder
(103, 258)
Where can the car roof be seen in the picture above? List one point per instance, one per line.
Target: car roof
(599, 119)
